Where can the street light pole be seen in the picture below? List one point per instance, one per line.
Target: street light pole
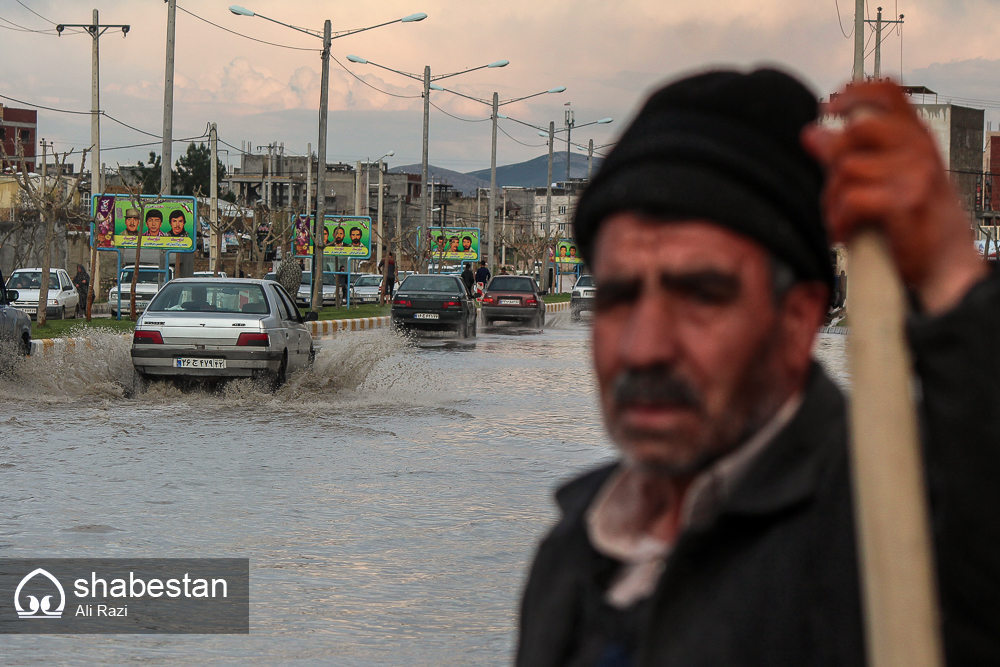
(590, 160)
(424, 208)
(318, 221)
(493, 187)
(548, 205)
(168, 102)
(569, 131)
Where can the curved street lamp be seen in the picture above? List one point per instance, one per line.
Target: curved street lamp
(324, 100)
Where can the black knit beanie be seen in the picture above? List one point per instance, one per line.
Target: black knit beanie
(721, 146)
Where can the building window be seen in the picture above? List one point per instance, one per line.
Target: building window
(3, 134)
(562, 210)
(541, 209)
(25, 136)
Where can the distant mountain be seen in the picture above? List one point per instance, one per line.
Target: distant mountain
(532, 173)
(465, 183)
(527, 174)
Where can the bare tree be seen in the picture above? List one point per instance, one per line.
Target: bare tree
(53, 199)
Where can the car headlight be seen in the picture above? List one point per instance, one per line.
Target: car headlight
(576, 293)
(53, 302)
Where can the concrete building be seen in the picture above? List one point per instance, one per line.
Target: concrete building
(991, 173)
(18, 130)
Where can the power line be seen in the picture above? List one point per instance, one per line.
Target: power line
(841, 21)
(384, 92)
(239, 34)
(465, 120)
(34, 12)
(518, 141)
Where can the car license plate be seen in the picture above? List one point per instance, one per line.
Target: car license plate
(199, 363)
(510, 302)
(426, 316)
(28, 311)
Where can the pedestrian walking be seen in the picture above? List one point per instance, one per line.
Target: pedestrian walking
(725, 533)
(468, 277)
(82, 282)
(387, 267)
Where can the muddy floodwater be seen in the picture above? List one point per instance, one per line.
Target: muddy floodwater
(389, 499)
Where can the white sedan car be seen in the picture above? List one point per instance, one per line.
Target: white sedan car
(221, 328)
(62, 295)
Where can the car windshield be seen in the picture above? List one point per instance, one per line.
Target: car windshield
(368, 281)
(145, 276)
(511, 284)
(431, 284)
(210, 298)
(585, 281)
(31, 280)
(270, 276)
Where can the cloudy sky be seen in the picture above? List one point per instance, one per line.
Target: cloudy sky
(609, 55)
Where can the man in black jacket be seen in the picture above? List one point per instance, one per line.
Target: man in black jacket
(725, 535)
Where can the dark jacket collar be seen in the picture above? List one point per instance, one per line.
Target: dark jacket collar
(787, 472)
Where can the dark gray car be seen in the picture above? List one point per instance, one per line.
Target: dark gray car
(14, 324)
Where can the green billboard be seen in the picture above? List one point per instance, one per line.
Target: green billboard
(455, 243)
(567, 252)
(343, 236)
(164, 223)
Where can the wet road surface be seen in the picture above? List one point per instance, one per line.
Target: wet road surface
(389, 499)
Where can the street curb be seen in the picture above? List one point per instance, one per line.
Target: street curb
(47, 346)
(330, 327)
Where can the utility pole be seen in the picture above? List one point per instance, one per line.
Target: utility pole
(96, 172)
(590, 159)
(878, 22)
(548, 207)
(399, 232)
(381, 197)
(357, 188)
(569, 131)
(309, 172)
(318, 246)
(425, 220)
(491, 232)
(859, 41)
(213, 213)
(166, 187)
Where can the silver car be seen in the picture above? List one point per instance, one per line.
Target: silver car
(14, 324)
(221, 328)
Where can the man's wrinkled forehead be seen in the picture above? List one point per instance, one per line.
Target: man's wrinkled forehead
(631, 243)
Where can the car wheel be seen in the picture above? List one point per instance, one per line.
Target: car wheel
(312, 355)
(140, 383)
(575, 315)
(473, 327)
(26, 344)
(277, 378)
(62, 313)
(487, 322)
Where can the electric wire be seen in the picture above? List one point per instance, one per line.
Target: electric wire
(239, 34)
(384, 92)
(518, 141)
(20, 28)
(840, 21)
(465, 120)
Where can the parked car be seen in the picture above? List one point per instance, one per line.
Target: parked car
(61, 299)
(366, 289)
(209, 274)
(513, 299)
(304, 296)
(582, 298)
(221, 328)
(434, 303)
(15, 325)
(146, 286)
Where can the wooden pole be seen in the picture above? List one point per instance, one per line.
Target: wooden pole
(894, 543)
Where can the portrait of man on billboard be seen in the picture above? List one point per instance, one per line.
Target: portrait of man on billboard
(466, 244)
(440, 243)
(177, 222)
(453, 244)
(338, 236)
(356, 237)
(132, 222)
(154, 220)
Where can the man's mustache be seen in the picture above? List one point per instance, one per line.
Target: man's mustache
(654, 386)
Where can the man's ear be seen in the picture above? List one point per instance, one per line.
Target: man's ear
(802, 312)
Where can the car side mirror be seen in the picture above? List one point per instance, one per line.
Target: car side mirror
(311, 316)
(12, 295)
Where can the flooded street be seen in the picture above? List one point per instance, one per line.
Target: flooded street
(389, 500)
